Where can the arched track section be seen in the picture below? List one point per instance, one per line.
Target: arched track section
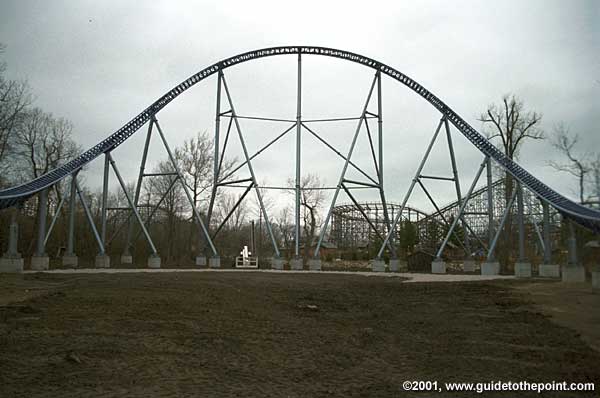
(585, 216)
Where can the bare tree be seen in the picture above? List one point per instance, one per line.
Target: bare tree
(311, 200)
(196, 162)
(578, 165)
(513, 125)
(42, 143)
(595, 165)
(285, 227)
(15, 98)
(225, 205)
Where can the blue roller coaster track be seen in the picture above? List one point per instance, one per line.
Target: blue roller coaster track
(582, 215)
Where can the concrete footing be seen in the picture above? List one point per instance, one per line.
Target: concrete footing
(523, 270)
(70, 260)
(378, 265)
(491, 268)
(596, 280)
(40, 263)
(102, 261)
(201, 261)
(314, 264)
(153, 262)
(394, 265)
(277, 263)
(573, 273)
(549, 270)
(438, 267)
(126, 259)
(214, 262)
(468, 266)
(296, 264)
(11, 264)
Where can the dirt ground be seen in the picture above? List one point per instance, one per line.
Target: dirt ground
(234, 334)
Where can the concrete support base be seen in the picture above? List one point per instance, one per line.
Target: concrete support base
(314, 264)
(296, 264)
(70, 260)
(438, 267)
(468, 266)
(377, 265)
(11, 264)
(573, 273)
(214, 262)
(40, 263)
(277, 263)
(201, 261)
(491, 268)
(126, 259)
(394, 265)
(153, 262)
(523, 270)
(549, 270)
(102, 261)
(596, 280)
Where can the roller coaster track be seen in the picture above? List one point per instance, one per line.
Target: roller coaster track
(584, 216)
(343, 208)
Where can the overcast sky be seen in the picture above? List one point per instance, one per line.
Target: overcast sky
(99, 63)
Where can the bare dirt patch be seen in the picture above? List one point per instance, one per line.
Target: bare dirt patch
(573, 305)
(265, 334)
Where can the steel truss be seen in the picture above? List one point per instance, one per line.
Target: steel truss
(469, 211)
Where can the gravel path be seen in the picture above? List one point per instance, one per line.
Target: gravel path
(412, 277)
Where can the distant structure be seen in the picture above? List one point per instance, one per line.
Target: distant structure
(355, 226)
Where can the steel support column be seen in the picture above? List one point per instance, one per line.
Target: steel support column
(71, 232)
(42, 212)
(509, 205)
(13, 237)
(546, 232)
(379, 164)
(572, 244)
(490, 204)
(521, 222)
(104, 199)
(457, 184)
(298, 159)
(216, 160)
